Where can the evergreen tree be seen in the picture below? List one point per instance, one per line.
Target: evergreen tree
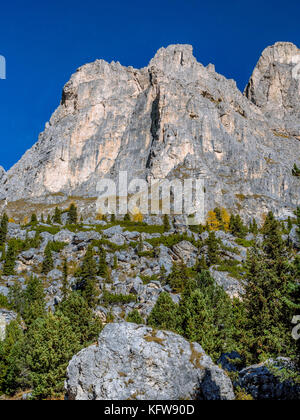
(236, 227)
(9, 358)
(34, 219)
(85, 323)
(48, 263)
(167, 225)
(254, 227)
(57, 216)
(212, 249)
(50, 344)
(164, 313)
(65, 284)
(87, 281)
(113, 218)
(48, 220)
(72, 215)
(3, 252)
(103, 270)
(201, 264)
(135, 317)
(10, 260)
(42, 218)
(127, 217)
(34, 301)
(3, 229)
(178, 277)
(266, 307)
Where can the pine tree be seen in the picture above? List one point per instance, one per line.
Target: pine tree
(266, 307)
(10, 260)
(103, 270)
(127, 217)
(65, 284)
(201, 264)
(48, 220)
(34, 219)
(87, 281)
(72, 215)
(135, 317)
(212, 249)
(254, 227)
(3, 229)
(34, 301)
(167, 226)
(57, 216)
(48, 264)
(113, 218)
(164, 313)
(236, 226)
(42, 218)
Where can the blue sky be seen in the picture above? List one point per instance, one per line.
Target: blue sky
(45, 42)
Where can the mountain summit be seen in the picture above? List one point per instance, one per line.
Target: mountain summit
(173, 118)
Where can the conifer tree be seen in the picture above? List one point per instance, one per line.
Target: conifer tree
(72, 215)
(10, 260)
(48, 264)
(48, 220)
(113, 218)
(254, 227)
(266, 307)
(65, 284)
(212, 249)
(127, 217)
(87, 281)
(57, 216)
(166, 221)
(34, 301)
(3, 229)
(115, 265)
(42, 218)
(33, 219)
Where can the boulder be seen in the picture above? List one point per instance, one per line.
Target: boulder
(136, 362)
(187, 252)
(5, 319)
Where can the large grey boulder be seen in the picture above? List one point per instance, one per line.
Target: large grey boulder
(135, 362)
(5, 319)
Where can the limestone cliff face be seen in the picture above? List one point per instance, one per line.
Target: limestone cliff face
(172, 118)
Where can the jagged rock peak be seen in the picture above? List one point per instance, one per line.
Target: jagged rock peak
(275, 85)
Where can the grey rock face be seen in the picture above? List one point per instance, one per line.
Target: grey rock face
(174, 118)
(5, 318)
(133, 362)
(262, 384)
(274, 87)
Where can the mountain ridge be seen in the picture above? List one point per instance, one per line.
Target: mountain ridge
(173, 118)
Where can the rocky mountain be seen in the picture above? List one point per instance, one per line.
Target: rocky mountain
(174, 118)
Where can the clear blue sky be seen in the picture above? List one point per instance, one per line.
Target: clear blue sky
(44, 43)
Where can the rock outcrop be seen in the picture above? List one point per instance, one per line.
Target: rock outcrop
(136, 362)
(174, 118)
(5, 318)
